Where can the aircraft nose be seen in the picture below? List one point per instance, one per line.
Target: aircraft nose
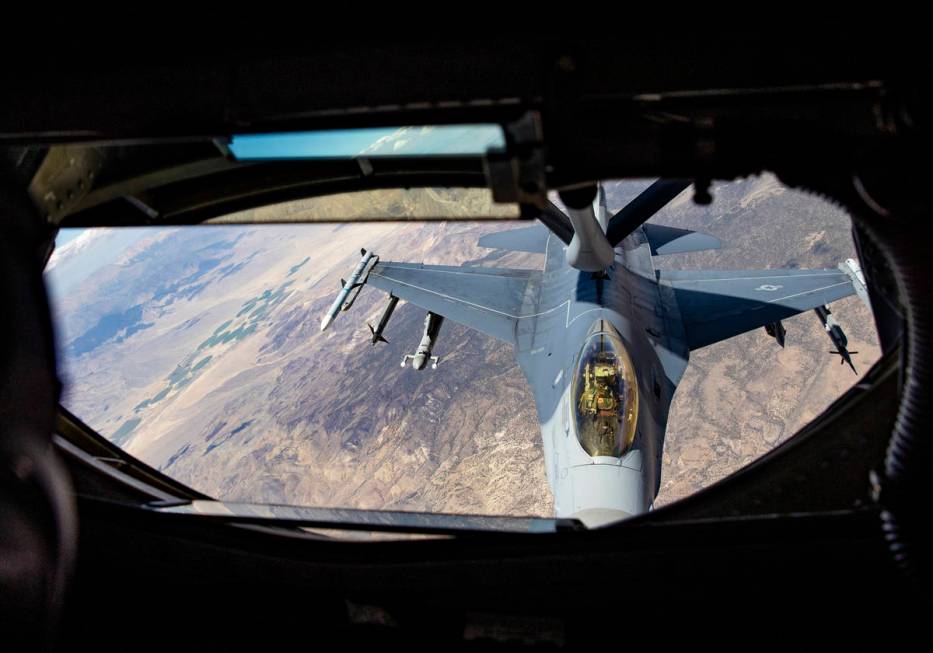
(596, 517)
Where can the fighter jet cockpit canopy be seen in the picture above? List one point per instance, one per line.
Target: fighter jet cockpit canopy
(605, 394)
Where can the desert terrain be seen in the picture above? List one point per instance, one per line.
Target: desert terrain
(199, 351)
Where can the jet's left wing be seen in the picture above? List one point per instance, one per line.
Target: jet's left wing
(489, 300)
(719, 304)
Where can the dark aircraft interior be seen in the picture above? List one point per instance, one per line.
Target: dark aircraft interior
(100, 551)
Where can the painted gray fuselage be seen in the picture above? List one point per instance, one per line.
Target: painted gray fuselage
(644, 315)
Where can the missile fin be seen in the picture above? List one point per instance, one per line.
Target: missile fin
(377, 337)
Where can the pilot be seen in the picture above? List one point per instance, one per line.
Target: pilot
(598, 398)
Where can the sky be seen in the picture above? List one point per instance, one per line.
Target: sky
(378, 141)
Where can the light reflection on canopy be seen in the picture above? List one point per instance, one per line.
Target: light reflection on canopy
(605, 393)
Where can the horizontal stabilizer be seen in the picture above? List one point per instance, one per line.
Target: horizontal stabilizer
(672, 240)
(527, 239)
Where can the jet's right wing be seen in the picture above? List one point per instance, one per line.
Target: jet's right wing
(719, 304)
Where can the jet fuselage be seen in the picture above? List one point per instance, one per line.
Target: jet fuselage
(628, 303)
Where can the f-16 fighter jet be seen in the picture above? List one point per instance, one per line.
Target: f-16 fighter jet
(602, 335)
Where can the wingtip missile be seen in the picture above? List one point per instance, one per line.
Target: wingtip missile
(353, 284)
(854, 271)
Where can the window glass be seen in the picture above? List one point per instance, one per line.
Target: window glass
(421, 140)
(199, 351)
